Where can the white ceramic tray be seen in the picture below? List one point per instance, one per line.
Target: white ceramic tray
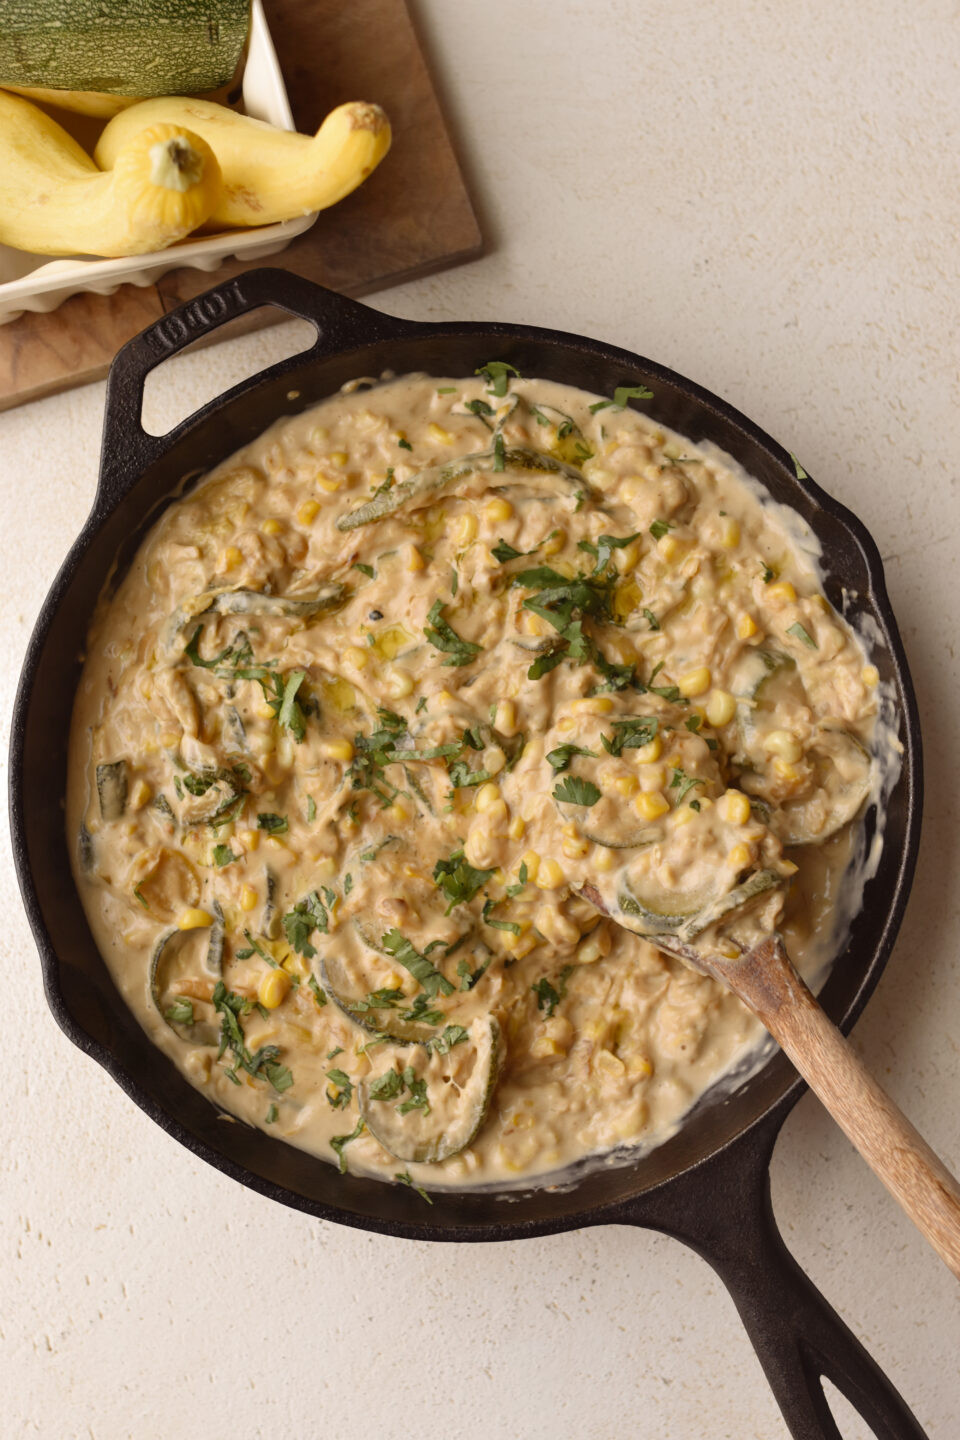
(33, 282)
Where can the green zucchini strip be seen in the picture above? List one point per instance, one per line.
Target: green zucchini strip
(112, 789)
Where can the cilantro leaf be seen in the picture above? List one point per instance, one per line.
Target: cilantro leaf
(621, 395)
(343, 1094)
(560, 757)
(404, 1177)
(549, 996)
(395, 943)
(443, 637)
(223, 855)
(497, 373)
(575, 791)
(659, 528)
(418, 1093)
(274, 824)
(386, 1086)
(488, 909)
(299, 924)
(631, 734)
(180, 1012)
(683, 782)
(462, 777)
(458, 879)
(651, 619)
(804, 636)
(338, 1142)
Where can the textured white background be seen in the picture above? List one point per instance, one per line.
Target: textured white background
(765, 197)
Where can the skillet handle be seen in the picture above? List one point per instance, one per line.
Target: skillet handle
(128, 449)
(725, 1214)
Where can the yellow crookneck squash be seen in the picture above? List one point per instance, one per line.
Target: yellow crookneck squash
(55, 201)
(268, 174)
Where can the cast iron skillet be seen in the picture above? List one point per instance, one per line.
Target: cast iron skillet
(708, 1186)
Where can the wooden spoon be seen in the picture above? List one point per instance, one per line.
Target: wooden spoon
(765, 980)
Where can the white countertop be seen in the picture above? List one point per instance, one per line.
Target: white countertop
(766, 198)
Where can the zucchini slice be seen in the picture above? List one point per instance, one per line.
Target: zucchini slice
(844, 775)
(195, 1032)
(270, 924)
(215, 943)
(112, 789)
(254, 602)
(436, 1104)
(344, 982)
(686, 915)
(85, 849)
(424, 487)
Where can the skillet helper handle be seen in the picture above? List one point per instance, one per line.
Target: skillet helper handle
(128, 449)
(723, 1211)
(896, 1152)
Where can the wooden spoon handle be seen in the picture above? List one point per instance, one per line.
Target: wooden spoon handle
(896, 1152)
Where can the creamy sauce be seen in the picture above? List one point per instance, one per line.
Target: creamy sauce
(338, 786)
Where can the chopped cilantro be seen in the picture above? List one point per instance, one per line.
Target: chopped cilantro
(404, 444)
(404, 1178)
(386, 1086)
(444, 638)
(659, 528)
(299, 923)
(311, 809)
(223, 855)
(319, 995)
(271, 1115)
(458, 879)
(367, 570)
(497, 373)
(180, 1012)
(522, 877)
(574, 791)
(446, 390)
(804, 636)
(560, 757)
(631, 734)
(621, 395)
(801, 473)
(442, 1044)
(423, 970)
(338, 1142)
(418, 1093)
(683, 783)
(488, 909)
(274, 824)
(549, 996)
(651, 619)
(340, 1097)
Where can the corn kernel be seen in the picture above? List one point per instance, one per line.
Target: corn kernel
(308, 512)
(554, 543)
(271, 527)
(565, 724)
(464, 529)
(356, 657)
(783, 743)
(140, 793)
(329, 483)
(787, 867)
(437, 432)
(337, 750)
(729, 533)
(195, 919)
(401, 683)
(784, 770)
(721, 708)
(640, 1065)
(412, 558)
(670, 548)
(650, 805)
(604, 859)
(169, 738)
(248, 898)
(628, 558)
(739, 857)
(339, 459)
(609, 1064)
(550, 875)
(735, 807)
(575, 849)
(647, 754)
(495, 512)
(781, 593)
(531, 860)
(746, 627)
(684, 815)
(626, 785)
(594, 947)
(231, 557)
(729, 950)
(517, 827)
(505, 719)
(534, 625)
(520, 945)
(695, 682)
(487, 795)
(397, 812)
(870, 676)
(593, 705)
(325, 869)
(273, 989)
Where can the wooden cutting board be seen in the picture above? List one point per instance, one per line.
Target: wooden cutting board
(411, 217)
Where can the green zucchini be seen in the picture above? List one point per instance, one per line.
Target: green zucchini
(112, 789)
(123, 47)
(85, 849)
(255, 602)
(664, 912)
(270, 924)
(425, 487)
(234, 733)
(350, 990)
(455, 1089)
(844, 775)
(215, 942)
(195, 1032)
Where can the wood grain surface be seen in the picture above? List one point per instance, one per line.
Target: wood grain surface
(411, 217)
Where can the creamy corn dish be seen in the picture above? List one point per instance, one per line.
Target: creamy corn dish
(396, 721)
